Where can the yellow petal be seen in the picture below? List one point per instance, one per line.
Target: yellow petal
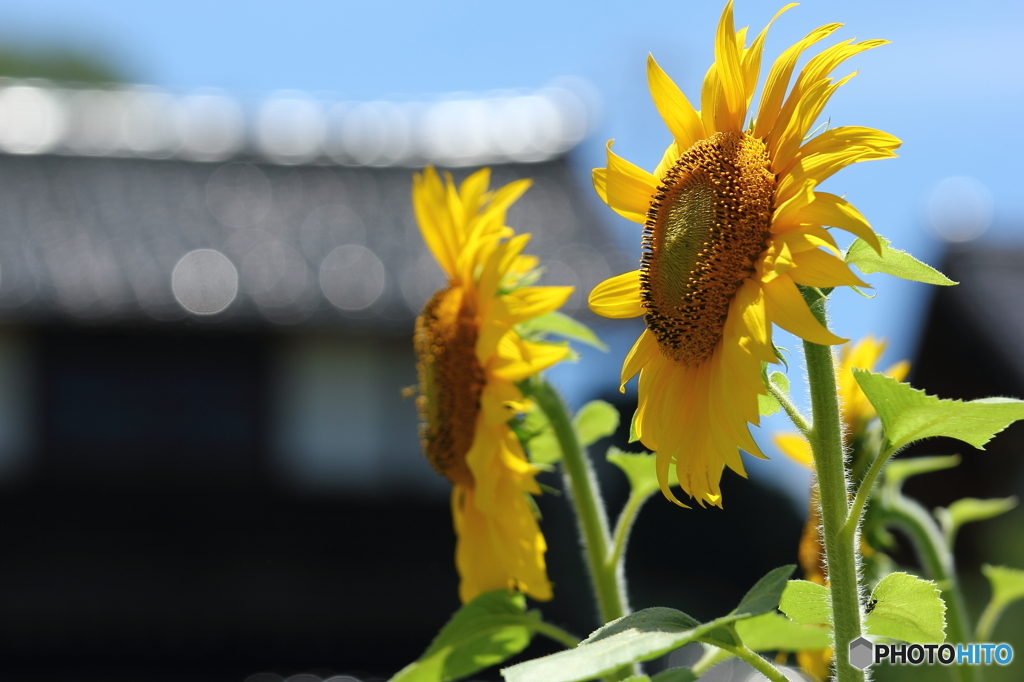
(749, 307)
(807, 237)
(822, 166)
(712, 104)
(499, 402)
(472, 191)
(505, 196)
(518, 359)
(668, 159)
(496, 264)
(752, 57)
(787, 308)
(793, 125)
(618, 297)
(436, 226)
(806, 91)
(837, 139)
(796, 447)
(828, 209)
(778, 80)
(526, 302)
(628, 190)
(677, 112)
(643, 352)
(478, 565)
(730, 74)
(899, 370)
(825, 62)
(815, 268)
(499, 551)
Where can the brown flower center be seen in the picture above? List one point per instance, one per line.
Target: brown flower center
(705, 229)
(451, 381)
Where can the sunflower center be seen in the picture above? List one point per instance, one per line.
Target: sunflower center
(706, 227)
(451, 381)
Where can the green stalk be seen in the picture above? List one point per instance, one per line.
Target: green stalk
(623, 526)
(605, 577)
(937, 558)
(713, 655)
(556, 633)
(826, 441)
(756, 661)
(860, 501)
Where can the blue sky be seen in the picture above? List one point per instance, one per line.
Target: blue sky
(950, 85)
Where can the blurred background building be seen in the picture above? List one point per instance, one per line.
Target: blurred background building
(207, 469)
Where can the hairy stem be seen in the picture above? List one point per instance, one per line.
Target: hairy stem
(607, 581)
(938, 562)
(826, 439)
(756, 661)
(556, 633)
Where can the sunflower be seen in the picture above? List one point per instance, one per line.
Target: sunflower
(857, 412)
(469, 360)
(732, 223)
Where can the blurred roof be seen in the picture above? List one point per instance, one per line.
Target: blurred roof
(133, 204)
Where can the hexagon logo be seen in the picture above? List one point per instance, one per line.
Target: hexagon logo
(862, 653)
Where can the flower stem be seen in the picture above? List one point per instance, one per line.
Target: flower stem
(826, 441)
(623, 526)
(937, 559)
(861, 499)
(586, 500)
(713, 655)
(756, 661)
(556, 633)
(791, 410)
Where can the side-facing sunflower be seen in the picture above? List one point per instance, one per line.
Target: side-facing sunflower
(732, 224)
(469, 360)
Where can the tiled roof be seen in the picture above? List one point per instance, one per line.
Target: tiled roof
(133, 204)
(132, 239)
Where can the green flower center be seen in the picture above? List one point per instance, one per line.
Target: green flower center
(706, 228)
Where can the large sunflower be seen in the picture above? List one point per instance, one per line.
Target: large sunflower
(733, 222)
(469, 358)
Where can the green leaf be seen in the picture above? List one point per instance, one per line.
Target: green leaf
(539, 438)
(639, 469)
(900, 470)
(675, 675)
(969, 509)
(908, 608)
(910, 415)
(594, 421)
(767, 404)
(1007, 583)
(633, 437)
(807, 603)
(775, 632)
(893, 262)
(640, 636)
(1007, 587)
(484, 632)
(766, 593)
(562, 325)
(643, 636)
